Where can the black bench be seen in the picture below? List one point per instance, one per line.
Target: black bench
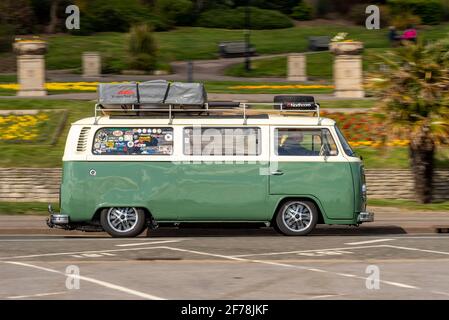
(320, 43)
(235, 49)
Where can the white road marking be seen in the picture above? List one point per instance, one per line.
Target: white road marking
(416, 249)
(324, 253)
(75, 253)
(368, 241)
(346, 275)
(441, 292)
(145, 243)
(91, 280)
(286, 265)
(37, 295)
(325, 296)
(304, 251)
(398, 284)
(93, 255)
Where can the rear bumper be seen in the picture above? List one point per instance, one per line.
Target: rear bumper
(365, 217)
(56, 219)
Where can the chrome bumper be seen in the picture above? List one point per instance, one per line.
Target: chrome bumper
(365, 217)
(57, 219)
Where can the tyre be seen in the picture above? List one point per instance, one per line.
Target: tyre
(121, 222)
(297, 217)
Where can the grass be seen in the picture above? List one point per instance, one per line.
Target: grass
(189, 43)
(25, 208)
(230, 87)
(8, 78)
(41, 154)
(319, 65)
(408, 204)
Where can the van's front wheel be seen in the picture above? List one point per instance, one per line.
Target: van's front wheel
(121, 222)
(297, 218)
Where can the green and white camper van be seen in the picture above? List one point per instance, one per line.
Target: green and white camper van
(136, 168)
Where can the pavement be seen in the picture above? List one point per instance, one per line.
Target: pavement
(240, 266)
(399, 256)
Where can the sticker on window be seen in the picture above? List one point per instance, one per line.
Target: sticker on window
(133, 141)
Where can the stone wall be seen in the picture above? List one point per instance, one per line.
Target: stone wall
(42, 185)
(398, 184)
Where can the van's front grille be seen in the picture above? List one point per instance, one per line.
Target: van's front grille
(82, 140)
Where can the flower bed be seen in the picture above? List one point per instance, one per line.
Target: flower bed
(365, 130)
(31, 127)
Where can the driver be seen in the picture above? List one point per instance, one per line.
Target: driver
(290, 145)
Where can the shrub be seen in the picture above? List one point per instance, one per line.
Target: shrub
(235, 19)
(142, 48)
(6, 38)
(18, 14)
(404, 20)
(302, 11)
(430, 11)
(176, 12)
(116, 15)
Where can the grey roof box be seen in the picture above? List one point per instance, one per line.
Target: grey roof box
(121, 93)
(186, 94)
(153, 92)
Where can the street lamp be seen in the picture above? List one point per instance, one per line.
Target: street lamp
(247, 36)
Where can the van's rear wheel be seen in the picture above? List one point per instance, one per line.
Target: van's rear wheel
(123, 221)
(297, 217)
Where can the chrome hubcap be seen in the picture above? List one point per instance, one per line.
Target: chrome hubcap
(297, 216)
(122, 219)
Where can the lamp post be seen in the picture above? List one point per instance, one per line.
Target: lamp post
(247, 36)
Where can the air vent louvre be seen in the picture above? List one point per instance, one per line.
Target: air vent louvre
(82, 140)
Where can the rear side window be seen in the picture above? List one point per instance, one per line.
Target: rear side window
(133, 141)
(222, 141)
(304, 142)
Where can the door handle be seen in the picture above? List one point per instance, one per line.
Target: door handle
(277, 173)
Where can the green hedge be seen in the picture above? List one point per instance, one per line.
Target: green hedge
(430, 11)
(6, 38)
(116, 15)
(235, 19)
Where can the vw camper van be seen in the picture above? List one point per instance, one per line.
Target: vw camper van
(133, 167)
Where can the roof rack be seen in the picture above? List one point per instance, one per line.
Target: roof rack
(244, 109)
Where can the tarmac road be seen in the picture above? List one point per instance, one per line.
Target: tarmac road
(242, 264)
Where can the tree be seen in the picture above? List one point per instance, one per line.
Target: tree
(51, 27)
(17, 14)
(414, 95)
(142, 48)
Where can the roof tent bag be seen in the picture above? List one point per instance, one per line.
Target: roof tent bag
(153, 92)
(121, 93)
(186, 93)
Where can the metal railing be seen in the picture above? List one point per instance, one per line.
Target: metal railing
(243, 108)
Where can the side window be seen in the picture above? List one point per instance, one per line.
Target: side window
(222, 141)
(133, 141)
(304, 142)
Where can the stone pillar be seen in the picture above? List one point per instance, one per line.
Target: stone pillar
(348, 72)
(91, 64)
(31, 67)
(297, 67)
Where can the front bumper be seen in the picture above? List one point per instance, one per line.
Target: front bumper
(365, 217)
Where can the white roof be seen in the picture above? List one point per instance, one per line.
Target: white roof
(271, 120)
